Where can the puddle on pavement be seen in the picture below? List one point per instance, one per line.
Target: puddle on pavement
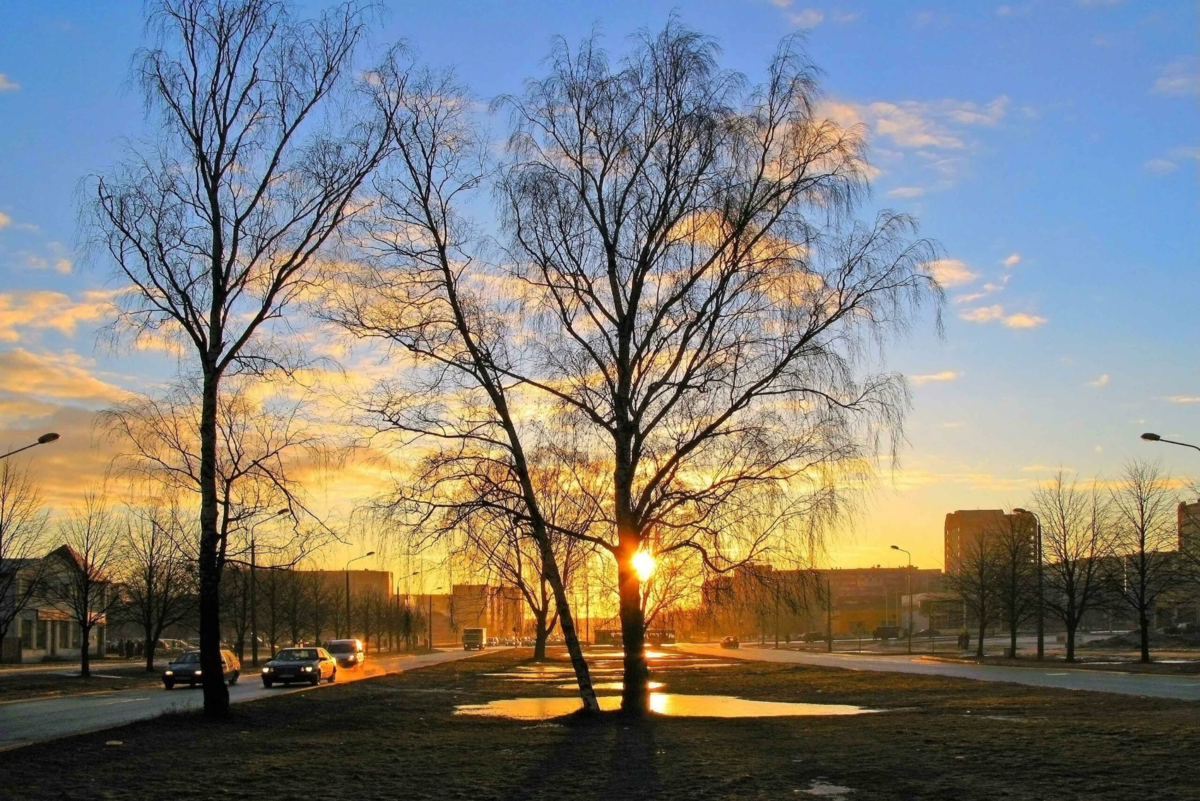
(609, 685)
(684, 706)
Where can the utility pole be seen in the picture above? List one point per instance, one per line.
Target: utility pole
(910, 597)
(253, 606)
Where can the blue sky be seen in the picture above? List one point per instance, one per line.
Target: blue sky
(1051, 147)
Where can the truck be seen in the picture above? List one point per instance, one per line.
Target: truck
(474, 639)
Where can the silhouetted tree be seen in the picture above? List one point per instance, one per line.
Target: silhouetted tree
(1015, 541)
(1147, 567)
(81, 580)
(975, 579)
(158, 581)
(218, 225)
(1077, 538)
(23, 525)
(695, 299)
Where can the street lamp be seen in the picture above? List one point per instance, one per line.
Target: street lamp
(347, 571)
(44, 439)
(253, 602)
(1156, 438)
(1041, 605)
(909, 585)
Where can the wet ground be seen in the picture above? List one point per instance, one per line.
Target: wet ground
(398, 736)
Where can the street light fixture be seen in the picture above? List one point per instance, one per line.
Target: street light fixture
(347, 571)
(1156, 438)
(910, 598)
(44, 439)
(1041, 590)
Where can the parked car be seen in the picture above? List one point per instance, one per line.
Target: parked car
(928, 633)
(886, 632)
(312, 665)
(730, 642)
(813, 636)
(185, 669)
(348, 653)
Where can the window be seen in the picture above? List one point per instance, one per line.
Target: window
(64, 635)
(41, 635)
(27, 634)
(74, 636)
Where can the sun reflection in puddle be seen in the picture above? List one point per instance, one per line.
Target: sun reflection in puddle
(609, 685)
(684, 706)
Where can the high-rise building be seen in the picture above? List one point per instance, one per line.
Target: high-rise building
(965, 527)
(1188, 519)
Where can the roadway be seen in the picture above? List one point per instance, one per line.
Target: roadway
(25, 722)
(1184, 688)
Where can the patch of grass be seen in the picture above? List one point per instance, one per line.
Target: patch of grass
(398, 737)
(67, 681)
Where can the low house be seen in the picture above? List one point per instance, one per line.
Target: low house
(47, 626)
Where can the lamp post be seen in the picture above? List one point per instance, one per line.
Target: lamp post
(349, 630)
(910, 598)
(1041, 592)
(44, 439)
(1156, 438)
(430, 618)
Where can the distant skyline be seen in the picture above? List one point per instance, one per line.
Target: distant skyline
(1051, 147)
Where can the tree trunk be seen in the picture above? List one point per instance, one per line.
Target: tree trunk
(635, 691)
(216, 694)
(1012, 640)
(1144, 625)
(1071, 626)
(543, 632)
(565, 619)
(151, 640)
(85, 653)
(982, 634)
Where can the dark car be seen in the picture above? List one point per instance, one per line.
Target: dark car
(730, 642)
(886, 632)
(185, 669)
(813, 636)
(348, 653)
(311, 665)
(928, 633)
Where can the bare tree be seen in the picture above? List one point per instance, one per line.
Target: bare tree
(236, 603)
(1015, 542)
(1147, 567)
(703, 298)
(975, 579)
(22, 540)
(1076, 539)
(219, 225)
(696, 301)
(320, 600)
(81, 580)
(158, 583)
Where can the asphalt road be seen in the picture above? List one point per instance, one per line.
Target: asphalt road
(25, 722)
(1182, 687)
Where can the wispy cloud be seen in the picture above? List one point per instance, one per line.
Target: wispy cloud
(1101, 381)
(43, 309)
(1180, 78)
(1171, 161)
(996, 313)
(944, 375)
(8, 84)
(1012, 259)
(5, 220)
(65, 376)
(951, 272)
(906, 191)
(807, 18)
(1182, 398)
(982, 314)
(1022, 320)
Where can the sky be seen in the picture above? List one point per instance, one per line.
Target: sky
(1052, 148)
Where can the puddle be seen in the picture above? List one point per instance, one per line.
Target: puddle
(822, 789)
(684, 706)
(609, 685)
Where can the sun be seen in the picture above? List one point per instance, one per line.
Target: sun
(643, 563)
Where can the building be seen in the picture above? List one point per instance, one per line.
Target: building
(362, 582)
(45, 627)
(501, 610)
(964, 528)
(759, 601)
(1187, 517)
